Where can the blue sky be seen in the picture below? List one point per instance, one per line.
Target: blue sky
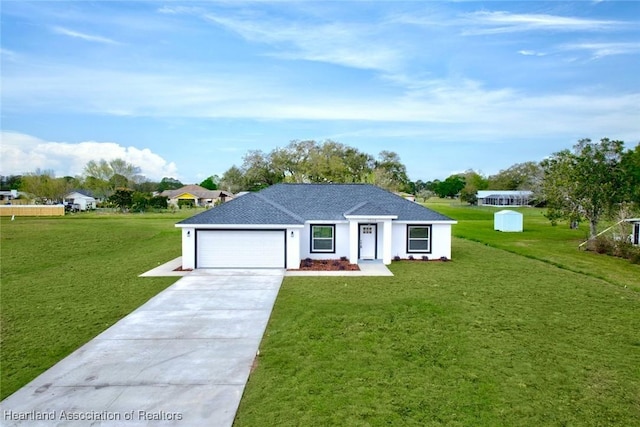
(185, 89)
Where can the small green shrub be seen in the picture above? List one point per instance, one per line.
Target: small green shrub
(618, 248)
(186, 204)
(602, 245)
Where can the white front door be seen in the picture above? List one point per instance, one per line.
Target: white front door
(368, 241)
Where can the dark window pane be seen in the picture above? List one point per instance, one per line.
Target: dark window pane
(418, 245)
(419, 232)
(323, 232)
(322, 244)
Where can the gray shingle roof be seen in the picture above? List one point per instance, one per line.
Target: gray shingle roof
(297, 203)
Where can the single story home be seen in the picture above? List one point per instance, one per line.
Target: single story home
(81, 201)
(635, 233)
(504, 197)
(281, 225)
(196, 195)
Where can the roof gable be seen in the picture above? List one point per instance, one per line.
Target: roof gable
(298, 203)
(195, 191)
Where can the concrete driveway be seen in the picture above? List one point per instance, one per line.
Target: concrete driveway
(181, 359)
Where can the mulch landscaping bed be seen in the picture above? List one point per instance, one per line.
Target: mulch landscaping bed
(326, 265)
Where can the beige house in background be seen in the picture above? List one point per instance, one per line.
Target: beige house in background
(199, 196)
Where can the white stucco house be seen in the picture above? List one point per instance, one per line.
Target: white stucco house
(80, 201)
(286, 223)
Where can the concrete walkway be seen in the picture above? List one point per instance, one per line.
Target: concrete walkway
(181, 359)
(367, 268)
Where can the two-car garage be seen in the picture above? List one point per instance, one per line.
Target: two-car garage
(240, 248)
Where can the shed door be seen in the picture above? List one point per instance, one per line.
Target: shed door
(240, 249)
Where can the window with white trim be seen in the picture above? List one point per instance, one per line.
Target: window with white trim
(323, 238)
(419, 238)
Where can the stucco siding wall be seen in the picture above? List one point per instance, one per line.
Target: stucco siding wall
(440, 241)
(293, 247)
(188, 248)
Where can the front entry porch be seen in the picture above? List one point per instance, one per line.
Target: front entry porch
(370, 238)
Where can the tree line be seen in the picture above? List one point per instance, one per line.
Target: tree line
(312, 162)
(591, 181)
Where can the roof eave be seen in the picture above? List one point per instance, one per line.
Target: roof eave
(377, 217)
(239, 226)
(428, 221)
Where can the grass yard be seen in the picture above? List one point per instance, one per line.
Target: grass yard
(557, 245)
(66, 279)
(520, 329)
(491, 339)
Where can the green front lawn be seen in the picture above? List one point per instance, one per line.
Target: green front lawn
(492, 338)
(66, 279)
(519, 329)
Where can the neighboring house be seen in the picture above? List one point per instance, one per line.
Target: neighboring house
(504, 197)
(196, 195)
(635, 233)
(81, 201)
(7, 196)
(286, 223)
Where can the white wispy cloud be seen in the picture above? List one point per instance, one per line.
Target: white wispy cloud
(460, 101)
(349, 44)
(499, 22)
(599, 50)
(531, 53)
(83, 36)
(8, 54)
(21, 153)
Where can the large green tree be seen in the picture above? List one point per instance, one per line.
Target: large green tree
(586, 182)
(631, 175)
(450, 187)
(309, 161)
(10, 182)
(211, 183)
(473, 182)
(168, 183)
(45, 186)
(258, 170)
(104, 177)
(389, 172)
(521, 176)
(233, 180)
(122, 198)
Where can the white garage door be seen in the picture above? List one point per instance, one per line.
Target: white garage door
(240, 249)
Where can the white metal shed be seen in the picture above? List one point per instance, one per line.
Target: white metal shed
(507, 220)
